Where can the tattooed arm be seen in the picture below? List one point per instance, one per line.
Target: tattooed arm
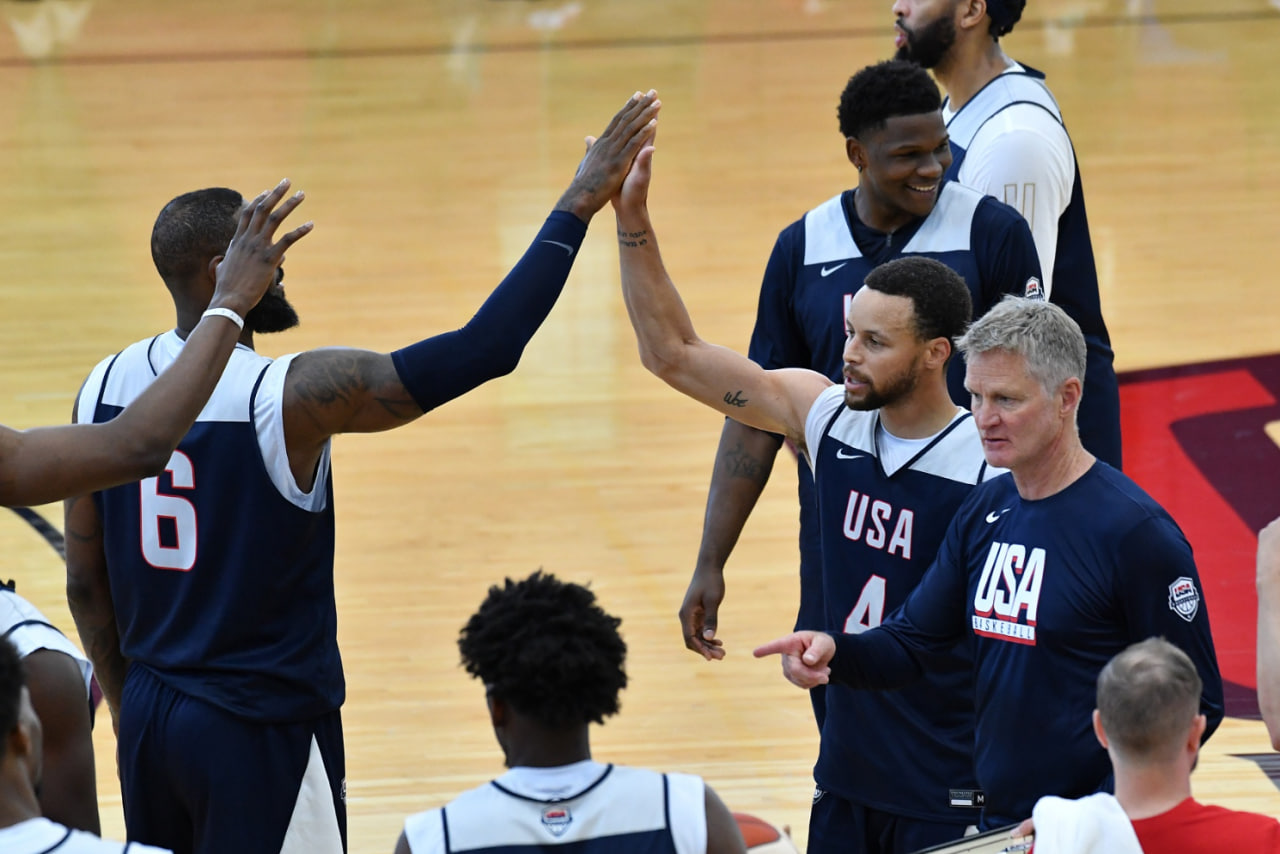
(777, 401)
(89, 597)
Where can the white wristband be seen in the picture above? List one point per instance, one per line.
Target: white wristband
(227, 313)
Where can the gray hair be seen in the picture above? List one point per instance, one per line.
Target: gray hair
(1040, 332)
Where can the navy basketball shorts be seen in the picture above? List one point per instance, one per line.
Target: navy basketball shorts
(200, 780)
(837, 826)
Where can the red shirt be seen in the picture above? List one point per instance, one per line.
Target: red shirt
(1192, 828)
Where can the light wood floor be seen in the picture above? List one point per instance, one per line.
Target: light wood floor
(431, 138)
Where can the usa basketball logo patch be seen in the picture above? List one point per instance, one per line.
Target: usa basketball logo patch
(557, 820)
(1034, 289)
(1184, 598)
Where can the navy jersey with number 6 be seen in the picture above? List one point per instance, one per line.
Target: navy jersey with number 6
(904, 752)
(221, 568)
(821, 260)
(1047, 591)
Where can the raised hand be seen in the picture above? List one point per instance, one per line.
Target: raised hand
(698, 615)
(633, 196)
(806, 657)
(249, 266)
(609, 156)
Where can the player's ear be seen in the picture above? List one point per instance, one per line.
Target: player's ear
(856, 152)
(1069, 394)
(938, 352)
(212, 269)
(1196, 732)
(1098, 730)
(972, 13)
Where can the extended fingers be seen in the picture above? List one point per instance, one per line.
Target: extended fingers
(278, 215)
(282, 245)
(262, 206)
(634, 118)
(782, 646)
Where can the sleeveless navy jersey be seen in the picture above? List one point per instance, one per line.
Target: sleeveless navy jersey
(221, 568)
(584, 808)
(1075, 275)
(1047, 591)
(905, 751)
(816, 267)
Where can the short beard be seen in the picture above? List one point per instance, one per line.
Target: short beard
(928, 46)
(273, 313)
(895, 390)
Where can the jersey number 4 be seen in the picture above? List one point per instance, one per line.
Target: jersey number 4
(869, 612)
(169, 521)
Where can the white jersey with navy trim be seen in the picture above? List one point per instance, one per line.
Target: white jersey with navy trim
(588, 806)
(41, 836)
(1009, 141)
(1016, 149)
(22, 624)
(907, 752)
(221, 568)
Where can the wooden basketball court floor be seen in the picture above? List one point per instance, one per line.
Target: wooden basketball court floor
(431, 138)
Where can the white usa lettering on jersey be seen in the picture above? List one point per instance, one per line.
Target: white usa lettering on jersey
(871, 528)
(1007, 598)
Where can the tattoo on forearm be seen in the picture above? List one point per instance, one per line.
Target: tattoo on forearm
(735, 398)
(633, 239)
(78, 533)
(740, 463)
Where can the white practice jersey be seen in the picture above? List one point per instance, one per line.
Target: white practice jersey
(41, 836)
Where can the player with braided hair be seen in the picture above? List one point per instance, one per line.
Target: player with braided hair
(552, 663)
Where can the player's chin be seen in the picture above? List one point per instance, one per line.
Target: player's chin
(920, 199)
(998, 453)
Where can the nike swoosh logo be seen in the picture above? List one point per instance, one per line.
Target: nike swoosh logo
(565, 246)
(827, 271)
(841, 455)
(992, 517)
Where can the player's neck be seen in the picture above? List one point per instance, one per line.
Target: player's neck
(970, 66)
(186, 325)
(1150, 791)
(883, 218)
(920, 414)
(1062, 463)
(531, 746)
(17, 802)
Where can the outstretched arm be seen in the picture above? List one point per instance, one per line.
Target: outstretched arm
(1269, 628)
(50, 463)
(777, 401)
(340, 390)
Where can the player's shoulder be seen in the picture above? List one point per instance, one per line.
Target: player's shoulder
(997, 490)
(424, 831)
(1118, 493)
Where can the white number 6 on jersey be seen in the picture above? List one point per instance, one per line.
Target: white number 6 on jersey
(156, 506)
